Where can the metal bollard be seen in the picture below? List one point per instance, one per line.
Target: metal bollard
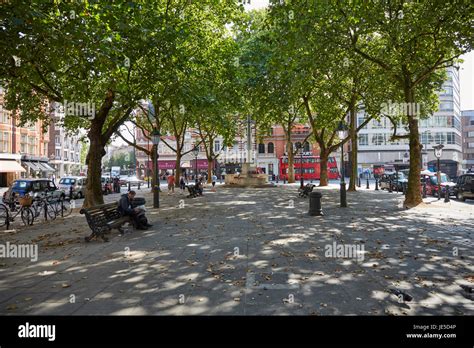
(70, 192)
(358, 182)
(404, 187)
(129, 186)
(45, 208)
(446, 195)
(7, 219)
(376, 184)
(368, 187)
(390, 186)
(424, 189)
(315, 204)
(139, 185)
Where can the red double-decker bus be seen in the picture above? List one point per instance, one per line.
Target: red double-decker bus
(311, 168)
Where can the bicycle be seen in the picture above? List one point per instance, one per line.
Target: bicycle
(42, 206)
(62, 206)
(13, 208)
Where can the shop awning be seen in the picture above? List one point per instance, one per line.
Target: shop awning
(31, 165)
(10, 166)
(45, 167)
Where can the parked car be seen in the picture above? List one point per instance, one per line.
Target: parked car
(432, 184)
(464, 188)
(106, 185)
(33, 187)
(397, 182)
(133, 180)
(78, 184)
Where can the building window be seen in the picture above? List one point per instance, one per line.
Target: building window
(306, 147)
(271, 149)
(470, 145)
(378, 139)
(261, 148)
(440, 138)
(58, 154)
(470, 134)
(217, 146)
(426, 138)
(32, 145)
(4, 118)
(451, 139)
(4, 142)
(363, 139)
(24, 143)
(378, 124)
(360, 120)
(446, 106)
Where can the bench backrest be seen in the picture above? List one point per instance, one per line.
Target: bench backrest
(101, 214)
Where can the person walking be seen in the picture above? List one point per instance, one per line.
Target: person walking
(171, 182)
(214, 179)
(182, 184)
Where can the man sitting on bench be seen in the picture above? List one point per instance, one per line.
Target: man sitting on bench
(137, 215)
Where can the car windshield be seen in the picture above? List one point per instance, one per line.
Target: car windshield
(67, 181)
(444, 178)
(401, 176)
(20, 184)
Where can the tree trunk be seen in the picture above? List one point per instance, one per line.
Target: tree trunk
(323, 178)
(291, 166)
(413, 196)
(177, 166)
(93, 195)
(354, 147)
(209, 170)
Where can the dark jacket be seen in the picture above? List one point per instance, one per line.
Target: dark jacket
(125, 205)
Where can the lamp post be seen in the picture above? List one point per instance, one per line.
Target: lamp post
(438, 151)
(299, 146)
(155, 139)
(196, 153)
(148, 165)
(341, 130)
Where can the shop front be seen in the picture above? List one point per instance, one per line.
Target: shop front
(10, 169)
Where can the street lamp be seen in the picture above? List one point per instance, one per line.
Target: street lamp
(341, 132)
(438, 151)
(196, 153)
(155, 139)
(300, 147)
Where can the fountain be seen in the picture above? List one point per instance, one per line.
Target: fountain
(249, 176)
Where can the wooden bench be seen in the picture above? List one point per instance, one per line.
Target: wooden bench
(102, 219)
(306, 190)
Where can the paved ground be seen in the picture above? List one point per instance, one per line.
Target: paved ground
(252, 252)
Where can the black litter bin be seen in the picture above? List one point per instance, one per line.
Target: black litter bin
(315, 204)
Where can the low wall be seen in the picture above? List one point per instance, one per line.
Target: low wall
(242, 180)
